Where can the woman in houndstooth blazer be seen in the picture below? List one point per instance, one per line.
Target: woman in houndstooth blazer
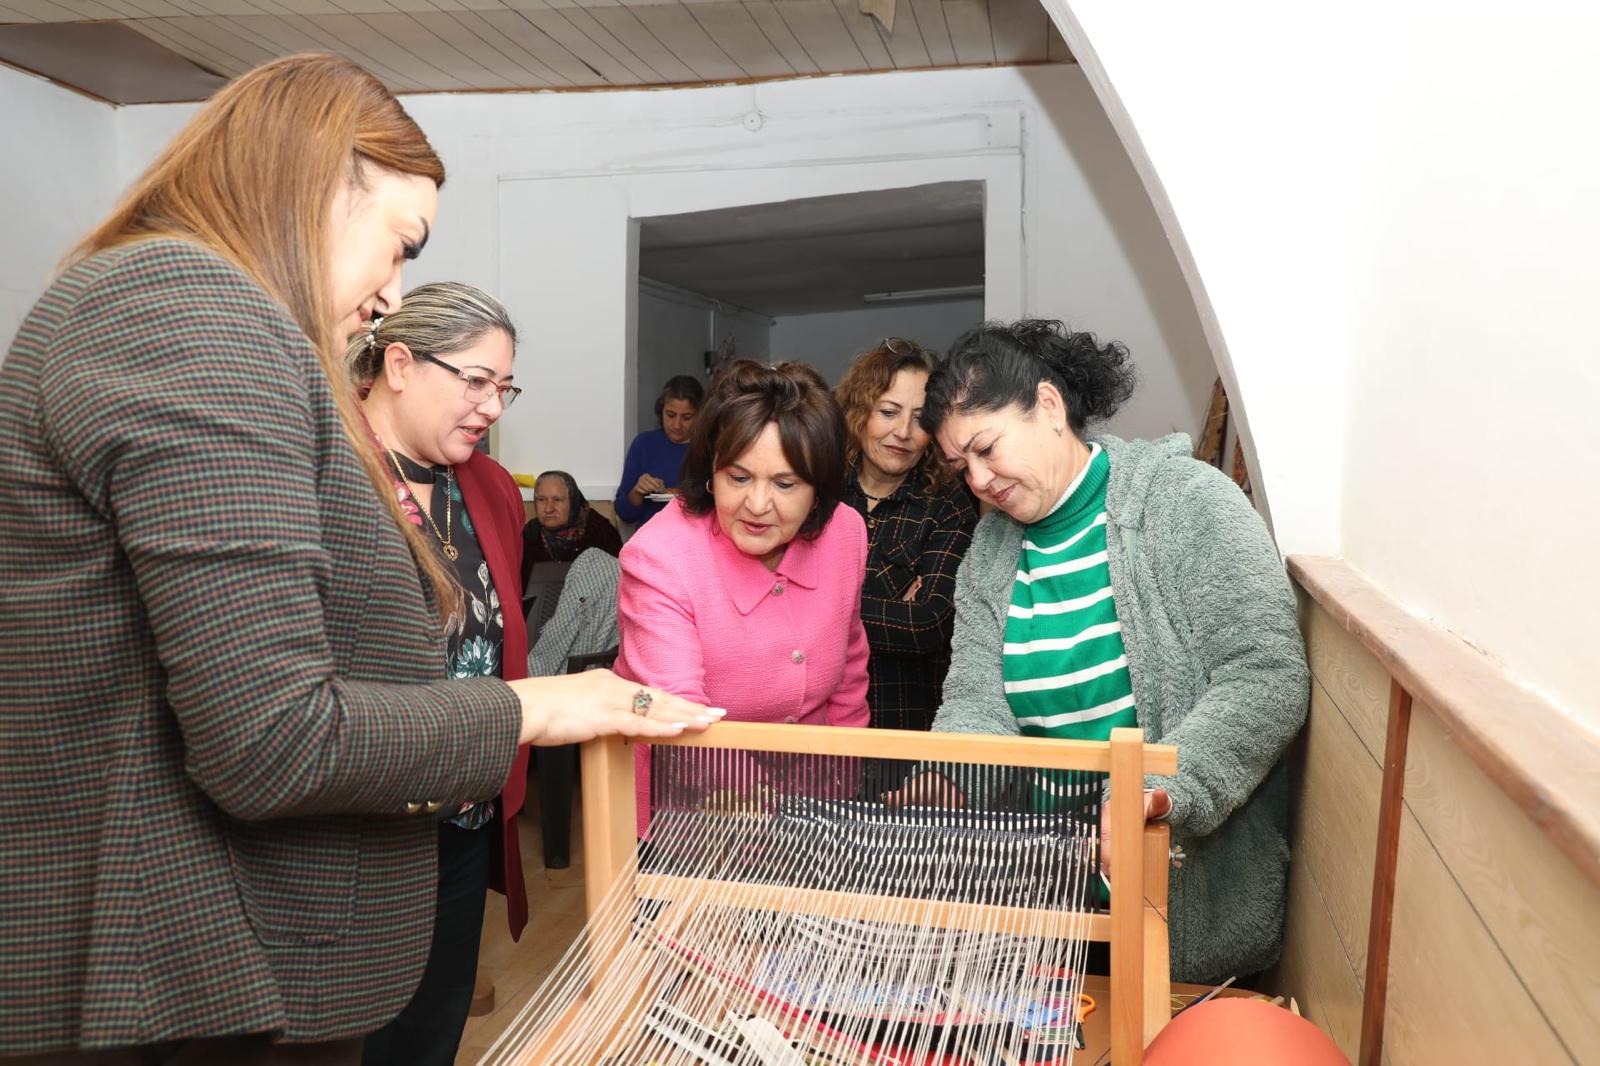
(225, 725)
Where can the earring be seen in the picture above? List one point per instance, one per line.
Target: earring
(1057, 427)
(708, 486)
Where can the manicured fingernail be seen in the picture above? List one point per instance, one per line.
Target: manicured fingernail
(707, 719)
(716, 712)
(677, 727)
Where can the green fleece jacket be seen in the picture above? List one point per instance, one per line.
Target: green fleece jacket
(1218, 667)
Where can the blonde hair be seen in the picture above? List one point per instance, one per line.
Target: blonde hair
(434, 319)
(252, 177)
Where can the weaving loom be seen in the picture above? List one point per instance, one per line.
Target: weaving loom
(780, 914)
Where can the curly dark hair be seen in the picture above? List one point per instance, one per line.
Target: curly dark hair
(744, 397)
(868, 378)
(995, 365)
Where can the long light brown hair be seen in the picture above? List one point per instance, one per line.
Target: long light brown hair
(868, 378)
(252, 177)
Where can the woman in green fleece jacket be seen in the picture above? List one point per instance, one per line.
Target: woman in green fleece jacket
(1125, 583)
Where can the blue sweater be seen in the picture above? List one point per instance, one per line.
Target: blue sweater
(650, 453)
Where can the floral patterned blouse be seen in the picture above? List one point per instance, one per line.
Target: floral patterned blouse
(473, 650)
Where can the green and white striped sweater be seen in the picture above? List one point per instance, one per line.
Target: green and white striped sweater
(1064, 664)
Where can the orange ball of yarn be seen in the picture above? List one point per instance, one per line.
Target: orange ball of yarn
(1242, 1032)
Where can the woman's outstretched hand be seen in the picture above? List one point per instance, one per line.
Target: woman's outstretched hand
(572, 708)
(1157, 805)
(927, 789)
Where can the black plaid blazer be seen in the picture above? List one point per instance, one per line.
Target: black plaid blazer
(221, 687)
(911, 534)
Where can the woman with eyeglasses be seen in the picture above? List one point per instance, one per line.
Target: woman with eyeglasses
(746, 590)
(228, 728)
(919, 523)
(434, 376)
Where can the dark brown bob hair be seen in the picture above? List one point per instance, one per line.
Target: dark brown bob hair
(744, 397)
(868, 378)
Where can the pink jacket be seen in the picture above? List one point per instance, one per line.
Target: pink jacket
(703, 620)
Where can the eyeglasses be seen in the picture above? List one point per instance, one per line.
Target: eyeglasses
(478, 388)
(897, 346)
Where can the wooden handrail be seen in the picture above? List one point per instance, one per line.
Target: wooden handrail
(1547, 763)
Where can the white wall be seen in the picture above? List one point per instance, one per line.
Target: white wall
(57, 179)
(1393, 246)
(545, 190)
(829, 340)
(676, 329)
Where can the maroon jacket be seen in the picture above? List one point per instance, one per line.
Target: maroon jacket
(495, 504)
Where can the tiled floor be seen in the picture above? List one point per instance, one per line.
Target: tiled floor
(555, 914)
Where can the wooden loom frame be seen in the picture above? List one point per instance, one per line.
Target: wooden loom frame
(1136, 927)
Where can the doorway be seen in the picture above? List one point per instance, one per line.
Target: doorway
(817, 280)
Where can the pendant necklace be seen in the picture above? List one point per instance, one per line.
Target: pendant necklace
(448, 535)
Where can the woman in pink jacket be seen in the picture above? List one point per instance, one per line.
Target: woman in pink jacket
(745, 592)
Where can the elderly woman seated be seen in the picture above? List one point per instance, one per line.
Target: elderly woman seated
(564, 525)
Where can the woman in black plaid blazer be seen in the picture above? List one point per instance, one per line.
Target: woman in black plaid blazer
(224, 723)
(919, 524)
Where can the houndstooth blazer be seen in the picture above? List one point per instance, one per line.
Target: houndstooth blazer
(223, 716)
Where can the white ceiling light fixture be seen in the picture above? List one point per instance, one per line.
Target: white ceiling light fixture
(901, 296)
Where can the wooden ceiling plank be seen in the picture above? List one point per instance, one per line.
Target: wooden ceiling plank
(15, 14)
(160, 9)
(159, 32)
(379, 47)
(675, 27)
(181, 8)
(906, 46)
(968, 21)
(547, 49)
(91, 9)
(128, 9)
(299, 34)
(625, 26)
(536, 68)
(818, 28)
(311, 7)
(240, 59)
(48, 11)
(219, 34)
(864, 29)
(1020, 30)
(422, 40)
(604, 68)
(263, 7)
(409, 6)
(597, 31)
(737, 34)
(249, 27)
(463, 39)
(1057, 50)
(783, 39)
(225, 7)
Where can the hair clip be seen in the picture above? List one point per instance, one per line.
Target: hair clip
(372, 331)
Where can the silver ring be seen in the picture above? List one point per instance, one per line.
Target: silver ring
(641, 702)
